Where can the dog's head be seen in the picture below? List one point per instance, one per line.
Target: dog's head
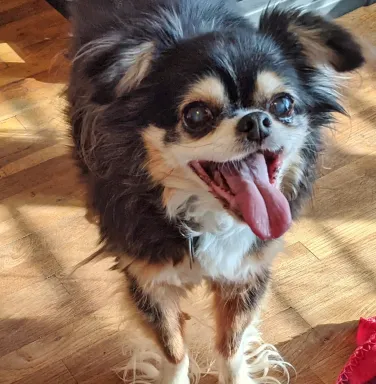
(231, 115)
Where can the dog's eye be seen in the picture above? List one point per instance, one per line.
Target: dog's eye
(282, 106)
(197, 115)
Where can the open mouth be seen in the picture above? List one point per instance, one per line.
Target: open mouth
(248, 189)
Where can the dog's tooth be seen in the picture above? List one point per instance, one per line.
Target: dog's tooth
(217, 177)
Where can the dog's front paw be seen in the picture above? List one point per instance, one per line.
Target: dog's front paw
(258, 363)
(230, 373)
(175, 373)
(242, 378)
(176, 380)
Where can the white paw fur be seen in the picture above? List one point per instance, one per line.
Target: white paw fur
(175, 373)
(255, 363)
(260, 363)
(143, 367)
(149, 367)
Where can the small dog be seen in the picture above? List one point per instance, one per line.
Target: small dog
(198, 135)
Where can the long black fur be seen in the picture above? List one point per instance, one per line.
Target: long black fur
(107, 128)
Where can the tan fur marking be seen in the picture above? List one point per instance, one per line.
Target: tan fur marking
(172, 342)
(209, 90)
(156, 165)
(219, 145)
(232, 318)
(268, 84)
(313, 45)
(162, 167)
(165, 323)
(174, 324)
(144, 271)
(139, 68)
(167, 196)
(292, 177)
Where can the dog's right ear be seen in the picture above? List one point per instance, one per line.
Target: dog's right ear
(113, 66)
(321, 41)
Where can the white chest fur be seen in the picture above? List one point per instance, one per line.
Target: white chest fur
(224, 247)
(226, 253)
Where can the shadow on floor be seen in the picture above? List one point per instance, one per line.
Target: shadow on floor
(317, 355)
(322, 351)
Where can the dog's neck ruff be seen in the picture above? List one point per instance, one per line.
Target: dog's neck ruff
(224, 247)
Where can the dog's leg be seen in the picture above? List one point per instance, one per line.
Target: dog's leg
(164, 321)
(235, 309)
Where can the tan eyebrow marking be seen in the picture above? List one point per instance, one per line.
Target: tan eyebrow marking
(268, 83)
(209, 90)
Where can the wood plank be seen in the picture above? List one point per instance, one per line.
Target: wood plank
(19, 320)
(333, 290)
(46, 25)
(61, 328)
(20, 9)
(27, 94)
(9, 127)
(7, 5)
(33, 159)
(353, 137)
(339, 210)
(60, 343)
(60, 166)
(43, 61)
(92, 364)
(54, 374)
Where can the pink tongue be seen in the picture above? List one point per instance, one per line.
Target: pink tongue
(263, 207)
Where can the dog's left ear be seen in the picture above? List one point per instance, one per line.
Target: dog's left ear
(320, 40)
(138, 62)
(115, 67)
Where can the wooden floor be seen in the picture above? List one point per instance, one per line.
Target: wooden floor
(57, 328)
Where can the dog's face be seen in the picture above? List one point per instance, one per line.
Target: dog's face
(225, 97)
(232, 114)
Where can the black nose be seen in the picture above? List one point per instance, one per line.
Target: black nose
(256, 125)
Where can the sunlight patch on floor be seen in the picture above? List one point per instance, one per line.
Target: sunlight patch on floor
(9, 55)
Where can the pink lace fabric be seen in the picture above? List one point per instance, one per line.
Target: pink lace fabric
(361, 367)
